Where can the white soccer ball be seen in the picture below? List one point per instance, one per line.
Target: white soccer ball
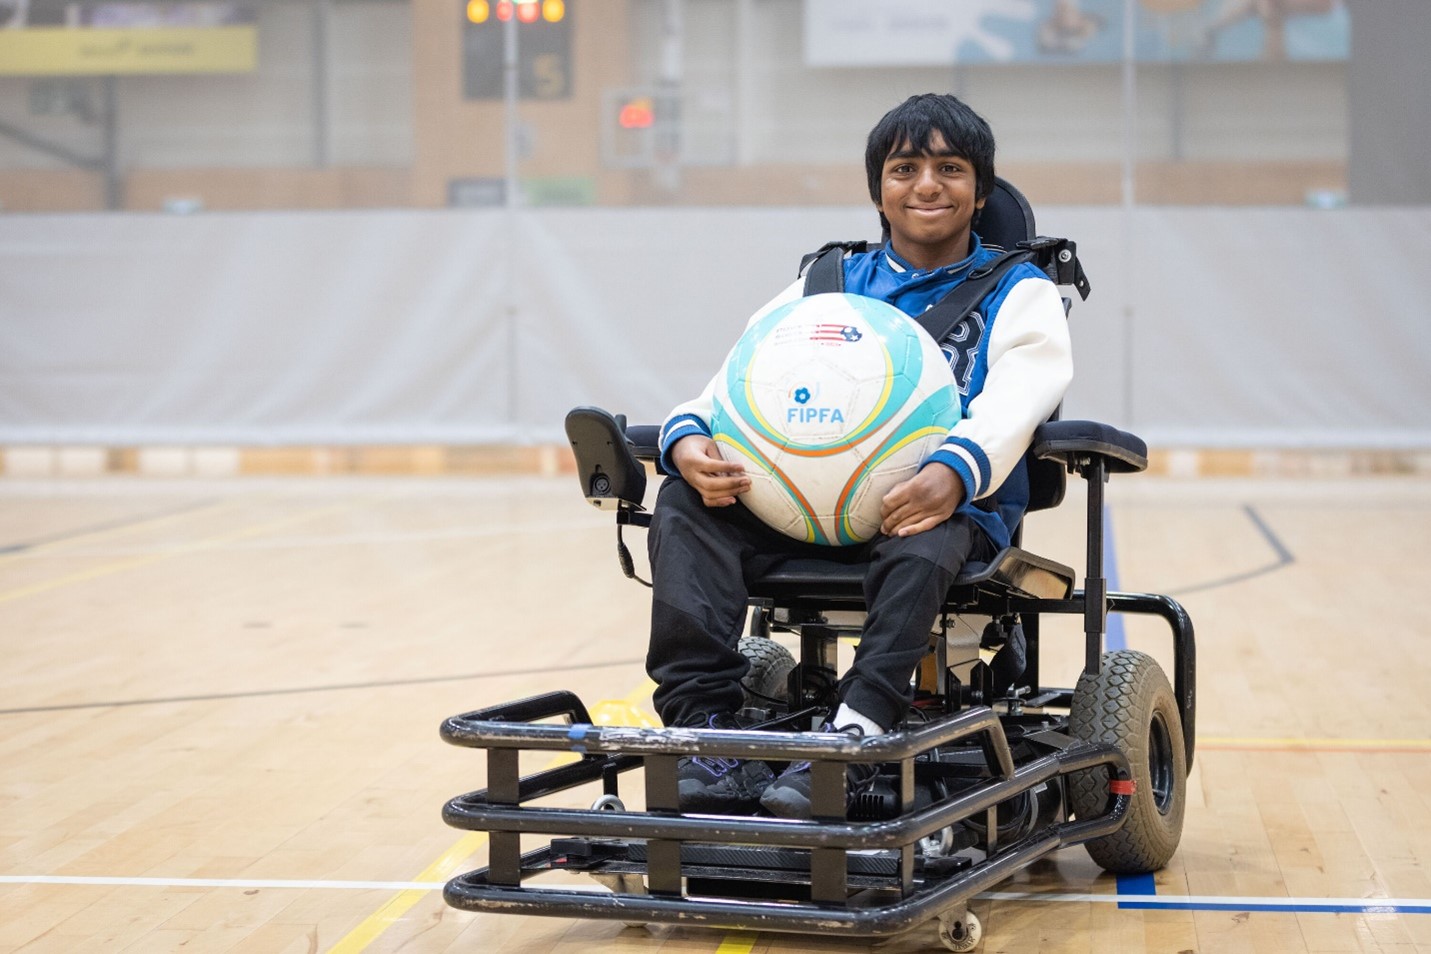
(829, 402)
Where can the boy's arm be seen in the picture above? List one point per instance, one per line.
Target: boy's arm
(694, 416)
(1030, 365)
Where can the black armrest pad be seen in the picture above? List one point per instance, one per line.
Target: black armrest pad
(645, 441)
(1065, 441)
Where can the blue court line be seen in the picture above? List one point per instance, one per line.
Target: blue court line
(1140, 893)
(1142, 885)
(1184, 902)
(1273, 907)
(1117, 637)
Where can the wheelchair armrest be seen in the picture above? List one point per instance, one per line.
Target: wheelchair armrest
(610, 473)
(645, 441)
(1074, 443)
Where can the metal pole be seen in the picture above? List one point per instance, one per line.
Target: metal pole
(1129, 197)
(509, 100)
(511, 204)
(668, 109)
(320, 84)
(744, 83)
(113, 181)
(1130, 90)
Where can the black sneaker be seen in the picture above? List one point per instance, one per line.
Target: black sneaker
(789, 795)
(719, 785)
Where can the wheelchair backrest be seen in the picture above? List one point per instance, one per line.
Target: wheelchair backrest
(1005, 221)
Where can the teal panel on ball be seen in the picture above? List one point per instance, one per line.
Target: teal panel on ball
(934, 417)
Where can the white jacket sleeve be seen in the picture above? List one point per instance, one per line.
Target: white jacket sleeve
(1029, 361)
(694, 416)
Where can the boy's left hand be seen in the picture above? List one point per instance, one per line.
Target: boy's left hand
(922, 502)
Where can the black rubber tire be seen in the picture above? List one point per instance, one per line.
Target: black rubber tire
(768, 678)
(1129, 704)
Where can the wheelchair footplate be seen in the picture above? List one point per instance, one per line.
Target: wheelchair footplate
(957, 808)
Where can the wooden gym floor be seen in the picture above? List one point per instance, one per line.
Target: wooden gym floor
(219, 704)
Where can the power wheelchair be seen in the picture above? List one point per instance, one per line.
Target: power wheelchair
(991, 771)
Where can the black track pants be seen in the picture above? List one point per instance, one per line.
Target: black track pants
(701, 561)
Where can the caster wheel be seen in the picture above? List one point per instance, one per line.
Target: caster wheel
(960, 933)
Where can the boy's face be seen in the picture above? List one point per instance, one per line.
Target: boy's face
(928, 200)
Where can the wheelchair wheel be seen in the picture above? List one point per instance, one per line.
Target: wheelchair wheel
(1130, 705)
(767, 682)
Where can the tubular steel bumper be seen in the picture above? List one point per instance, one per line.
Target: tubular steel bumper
(682, 892)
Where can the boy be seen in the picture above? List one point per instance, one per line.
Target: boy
(930, 165)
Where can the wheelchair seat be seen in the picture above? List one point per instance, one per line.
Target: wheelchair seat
(828, 582)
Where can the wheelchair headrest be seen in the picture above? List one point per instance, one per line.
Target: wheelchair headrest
(1006, 219)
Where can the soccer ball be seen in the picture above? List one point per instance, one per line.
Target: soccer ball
(829, 402)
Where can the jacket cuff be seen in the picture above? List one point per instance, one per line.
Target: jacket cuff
(676, 428)
(966, 459)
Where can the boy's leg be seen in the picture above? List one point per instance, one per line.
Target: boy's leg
(699, 560)
(905, 586)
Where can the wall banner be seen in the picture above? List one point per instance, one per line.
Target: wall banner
(844, 33)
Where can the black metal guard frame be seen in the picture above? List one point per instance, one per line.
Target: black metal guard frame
(505, 730)
(1094, 602)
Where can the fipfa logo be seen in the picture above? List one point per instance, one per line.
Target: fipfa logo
(802, 412)
(814, 415)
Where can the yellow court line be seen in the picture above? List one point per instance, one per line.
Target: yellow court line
(373, 926)
(399, 904)
(738, 942)
(119, 566)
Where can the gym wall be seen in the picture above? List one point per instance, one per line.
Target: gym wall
(1206, 328)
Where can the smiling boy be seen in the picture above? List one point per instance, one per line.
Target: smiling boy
(930, 166)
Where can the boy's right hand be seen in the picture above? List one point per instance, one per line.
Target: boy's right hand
(716, 479)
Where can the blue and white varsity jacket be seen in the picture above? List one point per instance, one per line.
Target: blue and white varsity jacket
(1012, 361)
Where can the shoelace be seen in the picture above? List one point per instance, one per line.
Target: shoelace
(795, 767)
(717, 766)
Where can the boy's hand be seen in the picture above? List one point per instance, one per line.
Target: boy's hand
(716, 479)
(922, 502)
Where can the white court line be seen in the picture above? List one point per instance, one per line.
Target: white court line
(1372, 905)
(1290, 905)
(223, 883)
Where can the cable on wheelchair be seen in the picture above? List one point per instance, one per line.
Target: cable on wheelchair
(757, 694)
(623, 556)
